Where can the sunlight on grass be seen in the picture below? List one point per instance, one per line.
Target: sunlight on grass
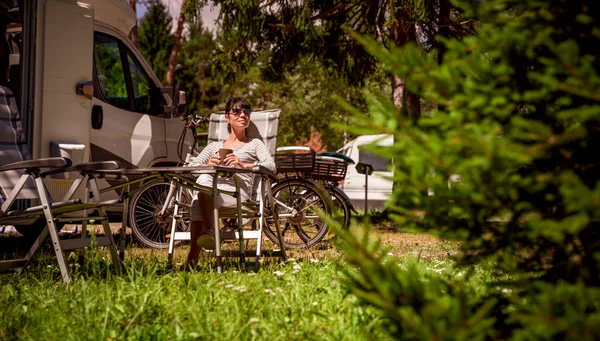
(304, 298)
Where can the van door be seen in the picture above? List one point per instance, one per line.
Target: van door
(122, 127)
(68, 30)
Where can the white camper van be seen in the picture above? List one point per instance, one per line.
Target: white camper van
(82, 89)
(379, 183)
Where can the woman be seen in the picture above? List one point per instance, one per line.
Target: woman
(247, 152)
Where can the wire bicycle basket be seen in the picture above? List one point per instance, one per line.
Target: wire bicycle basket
(329, 169)
(299, 160)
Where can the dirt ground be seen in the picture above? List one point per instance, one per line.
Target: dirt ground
(400, 244)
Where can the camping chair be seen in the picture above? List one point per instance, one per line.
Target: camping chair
(55, 212)
(21, 184)
(264, 125)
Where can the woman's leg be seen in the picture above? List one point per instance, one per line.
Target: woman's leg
(206, 237)
(200, 227)
(207, 209)
(195, 228)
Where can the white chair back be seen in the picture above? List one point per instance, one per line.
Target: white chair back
(263, 124)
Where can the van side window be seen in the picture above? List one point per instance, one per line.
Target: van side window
(109, 71)
(141, 86)
(378, 162)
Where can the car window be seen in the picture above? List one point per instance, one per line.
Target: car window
(110, 73)
(378, 162)
(141, 86)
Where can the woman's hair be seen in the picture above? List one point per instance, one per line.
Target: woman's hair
(239, 101)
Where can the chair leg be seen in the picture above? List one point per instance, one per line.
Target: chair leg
(218, 255)
(241, 232)
(60, 256)
(125, 217)
(84, 223)
(276, 222)
(114, 253)
(81, 259)
(174, 226)
(107, 231)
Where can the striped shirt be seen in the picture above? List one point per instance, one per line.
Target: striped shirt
(254, 151)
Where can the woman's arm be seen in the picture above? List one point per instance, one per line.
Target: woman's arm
(264, 157)
(204, 156)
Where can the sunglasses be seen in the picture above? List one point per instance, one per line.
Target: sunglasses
(238, 111)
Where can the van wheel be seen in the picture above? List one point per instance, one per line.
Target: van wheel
(149, 227)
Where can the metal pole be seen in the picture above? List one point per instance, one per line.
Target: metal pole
(366, 190)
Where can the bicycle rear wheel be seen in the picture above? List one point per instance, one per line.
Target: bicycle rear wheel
(341, 204)
(149, 227)
(297, 203)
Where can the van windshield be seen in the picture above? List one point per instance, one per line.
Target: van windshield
(379, 163)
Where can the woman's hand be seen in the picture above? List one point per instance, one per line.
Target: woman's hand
(232, 161)
(214, 160)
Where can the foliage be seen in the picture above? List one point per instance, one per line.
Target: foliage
(305, 96)
(511, 157)
(292, 31)
(110, 73)
(315, 141)
(155, 38)
(202, 86)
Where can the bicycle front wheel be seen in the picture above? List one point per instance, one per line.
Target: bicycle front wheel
(298, 203)
(149, 226)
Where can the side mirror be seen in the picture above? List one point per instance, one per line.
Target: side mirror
(180, 106)
(159, 105)
(364, 168)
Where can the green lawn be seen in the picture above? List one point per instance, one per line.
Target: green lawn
(304, 298)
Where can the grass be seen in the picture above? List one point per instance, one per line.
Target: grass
(305, 298)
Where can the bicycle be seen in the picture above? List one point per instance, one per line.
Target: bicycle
(150, 218)
(306, 180)
(298, 201)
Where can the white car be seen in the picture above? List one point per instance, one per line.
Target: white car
(379, 183)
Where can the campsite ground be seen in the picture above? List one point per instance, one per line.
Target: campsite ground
(304, 298)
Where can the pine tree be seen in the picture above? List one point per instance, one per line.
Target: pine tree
(155, 39)
(203, 88)
(511, 156)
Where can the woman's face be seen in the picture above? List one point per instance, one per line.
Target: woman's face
(238, 117)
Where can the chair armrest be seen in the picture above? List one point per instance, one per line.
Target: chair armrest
(52, 162)
(86, 167)
(264, 171)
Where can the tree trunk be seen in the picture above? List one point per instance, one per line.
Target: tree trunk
(443, 27)
(134, 29)
(176, 45)
(403, 31)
